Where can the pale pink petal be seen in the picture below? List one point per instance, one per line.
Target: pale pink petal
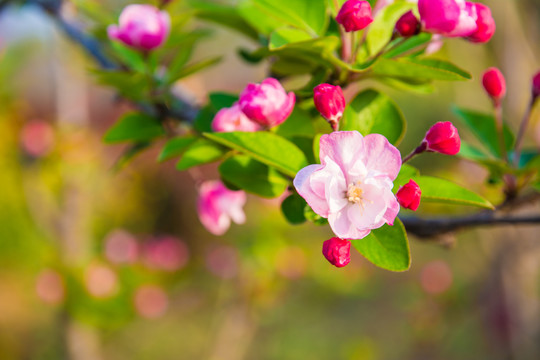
(342, 147)
(343, 228)
(302, 184)
(393, 207)
(381, 156)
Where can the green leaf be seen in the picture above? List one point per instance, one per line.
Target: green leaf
(299, 123)
(128, 56)
(293, 209)
(406, 173)
(287, 35)
(175, 147)
(313, 217)
(220, 100)
(134, 127)
(373, 112)
(428, 69)
(308, 15)
(268, 148)
(192, 69)
(200, 152)
(129, 85)
(444, 191)
(252, 176)
(386, 247)
(402, 46)
(381, 29)
(130, 153)
(484, 128)
(406, 84)
(228, 16)
(257, 18)
(311, 53)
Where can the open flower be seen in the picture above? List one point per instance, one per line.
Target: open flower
(217, 206)
(452, 18)
(352, 186)
(233, 119)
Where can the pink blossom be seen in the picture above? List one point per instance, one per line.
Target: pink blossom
(165, 253)
(443, 137)
(451, 18)
(353, 185)
(151, 301)
(355, 15)
(409, 195)
(337, 251)
(217, 206)
(330, 102)
(37, 138)
(143, 27)
(485, 25)
(233, 119)
(494, 83)
(268, 104)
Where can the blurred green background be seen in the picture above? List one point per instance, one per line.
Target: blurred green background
(104, 263)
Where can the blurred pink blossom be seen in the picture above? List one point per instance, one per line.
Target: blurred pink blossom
(222, 261)
(353, 185)
(233, 119)
(165, 253)
(436, 277)
(143, 27)
(37, 138)
(217, 206)
(150, 301)
(50, 287)
(121, 247)
(101, 281)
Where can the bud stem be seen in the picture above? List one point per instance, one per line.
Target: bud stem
(420, 149)
(500, 128)
(521, 133)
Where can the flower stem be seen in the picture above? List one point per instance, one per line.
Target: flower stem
(420, 149)
(500, 129)
(521, 133)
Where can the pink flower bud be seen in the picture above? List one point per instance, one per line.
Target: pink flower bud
(408, 25)
(337, 251)
(451, 18)
(355, 15)
(443, 138)
(217, 206)
(268, 104)
(494, 83)
(233, 119)
(409, 195)
(143, 27)
(485, 25)
(330, 102)
(536, 86)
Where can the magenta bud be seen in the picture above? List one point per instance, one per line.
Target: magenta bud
(485, 25)
(330, 102)
(355, 15)
(439, 16)
(536, 86)
(142, 27)
(494, 84)
(268, 104)
(409, 195)
(337, 251)
(443, 138)
(408, 25)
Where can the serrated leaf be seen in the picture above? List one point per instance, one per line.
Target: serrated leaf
(444, 191)
(268, 148)
(293, 209)
(252, 176)
(201, 152)
(175, 147)
(484, 128)
(134, 127)
(373, 112)
(415, 68)
(381, 29)
(386, 247)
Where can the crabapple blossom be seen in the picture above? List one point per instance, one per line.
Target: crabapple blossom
(485, 25)
(330, 102)
(337, 251)
(443, 137)
(409, 195)
(217, 206)
(143, 27)
(268, 104)
(233, 119)
(451, 18)
(355, 15)
(494, 83)
(352, 187)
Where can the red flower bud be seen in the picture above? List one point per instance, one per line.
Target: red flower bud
(494, 83)
(408, 25)
(443, 138)
(536, 86)
(409, 195)
(485, 25)
(355, 15)
(337, 251)
(330, 102)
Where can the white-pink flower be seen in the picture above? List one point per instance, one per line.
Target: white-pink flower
(217, 206)
(233, 119)
(352, 186)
